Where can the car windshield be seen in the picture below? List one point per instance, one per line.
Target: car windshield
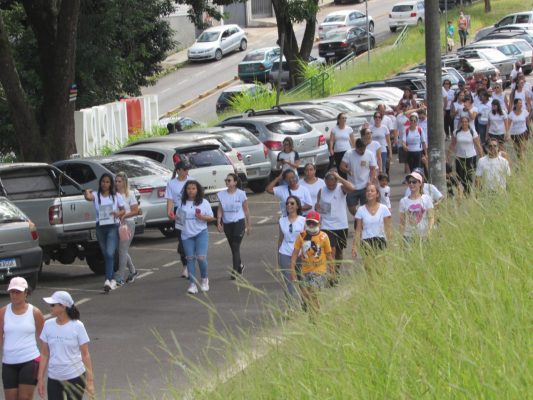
(368, 105)
(335, 35)
(10, 213)
(208, 37)
(254, 57)
(204, 158)
(318, 114)
(523, 46)
(241, 139)
(292, 127)
(135, 168)
(402, 8)
(335, 18)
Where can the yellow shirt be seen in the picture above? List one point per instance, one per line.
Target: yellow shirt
(313, 252)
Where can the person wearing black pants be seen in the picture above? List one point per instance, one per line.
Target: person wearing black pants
(448, 95)
(233, 218)
(465, 169)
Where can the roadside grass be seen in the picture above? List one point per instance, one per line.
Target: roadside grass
(110, 148)
(449, 319)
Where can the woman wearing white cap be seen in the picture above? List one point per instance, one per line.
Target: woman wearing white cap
(416, 211)
(65, 352)
(20, 326)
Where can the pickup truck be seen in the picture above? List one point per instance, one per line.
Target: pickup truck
(55, 204)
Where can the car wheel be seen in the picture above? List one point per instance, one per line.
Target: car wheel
(95, 261)
(371, 26)
(218, 55)
(168, 231)
(258, 186)
(244, 45)
(392, 29)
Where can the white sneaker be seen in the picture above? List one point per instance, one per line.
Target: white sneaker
(192, 289)
(204, 285)
(113, 284)
(107, 285)
(185, 273)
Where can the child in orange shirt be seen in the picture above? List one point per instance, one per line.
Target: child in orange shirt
(314, 248)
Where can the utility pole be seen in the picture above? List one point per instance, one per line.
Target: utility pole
(280, 69)
(436, 150)
(367, 31)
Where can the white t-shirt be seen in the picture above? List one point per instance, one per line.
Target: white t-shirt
(290, 231)
(333, 214)
(64, 342)
(105, 206)
(373, 225)
(373, 147)
(313, 188)
(493, 172)
(428, 189)
(389, 122)
(497, 123)
(458, 107)
(465, 144)
(192, 226)
(232, 205)
(380, 135)
(282, 192)
(128, 202)
(450, 95)
(342, 139)
(416, 215)
(518, 122)
(484, 109)
(290, 157)
(402, 122)
(384, 196)
(360, 166)
(414, 139)
(173, 192)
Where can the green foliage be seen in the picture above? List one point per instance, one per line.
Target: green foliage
(110, 148)
(261, 99)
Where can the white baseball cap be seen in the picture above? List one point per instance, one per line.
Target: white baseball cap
(60, 297)
(18, 283)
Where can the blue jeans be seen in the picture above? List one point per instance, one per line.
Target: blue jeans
(196, 249)
(384, 156)
(107, 236)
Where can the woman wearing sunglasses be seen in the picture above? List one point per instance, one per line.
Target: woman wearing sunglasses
(416, 210)
(65, 352)
(290, 227)
(233, 218)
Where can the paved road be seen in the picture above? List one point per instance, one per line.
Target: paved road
(193, 79)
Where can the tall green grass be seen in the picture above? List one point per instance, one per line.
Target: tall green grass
(449, 319)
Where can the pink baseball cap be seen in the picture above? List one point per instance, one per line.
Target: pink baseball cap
(18, 283)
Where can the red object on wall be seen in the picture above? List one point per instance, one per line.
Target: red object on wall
(134, 115)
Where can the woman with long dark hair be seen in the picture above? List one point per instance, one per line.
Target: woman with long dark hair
(109, 207)
(498, 126)
(20, 326)
(341, 139)
(312, 182)
(195, 212)
(65, 352)
(233, 218)
(518, 129)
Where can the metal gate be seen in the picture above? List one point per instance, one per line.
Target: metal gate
(262, 8)
(236, 14)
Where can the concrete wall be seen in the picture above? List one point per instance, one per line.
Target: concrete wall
(184, 31)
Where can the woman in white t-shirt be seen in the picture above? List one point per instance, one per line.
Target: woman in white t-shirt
(20, 326)
(414, 143)
(109, 207)
(195, 212)
(65, 352)
(372, 145)
(499, 94)
(288, 158)
(521, 92)
(484, 109)
(457, 108)
(466, 146)
(341, 139)
(381, 134)
(416, 211)
(372, 224)
(448, 95)
(498, 126)
(312, 182)
(290, 227)
(518, 129)
(131, 208)
(233, 218)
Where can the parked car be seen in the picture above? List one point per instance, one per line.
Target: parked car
(510, 34)
(285, 79)
(516, 28)
(525, 17)
(416, 83)
(185, 122)
(228, 94)
(406, 13)
(215, 42)
(20, 254)
(146, 176)
(257, 64)
(390, 95)
(512, 48)
(55, 204)
(469, 66)
(272, 129)
(503, 63)
(338, 43)
(344, 19)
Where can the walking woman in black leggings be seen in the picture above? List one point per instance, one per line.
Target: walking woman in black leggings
(233, 218)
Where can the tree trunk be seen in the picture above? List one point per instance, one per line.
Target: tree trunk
(22, 113)
(488, 8)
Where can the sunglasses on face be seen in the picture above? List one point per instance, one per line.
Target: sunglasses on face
(53, 305)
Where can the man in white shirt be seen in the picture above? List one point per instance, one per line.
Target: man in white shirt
(361, 167)
(492, 170)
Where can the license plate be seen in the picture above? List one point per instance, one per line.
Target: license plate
(8, 263)
(213, 198)
(330, 54)
(251, 172)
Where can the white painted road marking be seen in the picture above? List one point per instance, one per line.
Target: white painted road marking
(170, 264)
(264, 220)
(144, 274)
(220, 241)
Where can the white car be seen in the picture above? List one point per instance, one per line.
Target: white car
(217, 41)
(343, 19)
(406, 13)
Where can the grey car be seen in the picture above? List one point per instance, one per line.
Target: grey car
(272, 129)
(146, 176)
(344, 18)
(20, 254)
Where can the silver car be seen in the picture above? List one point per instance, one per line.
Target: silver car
(217, 41)
(20, 254)
(343, 19)
(146, 176)
(272, 129)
